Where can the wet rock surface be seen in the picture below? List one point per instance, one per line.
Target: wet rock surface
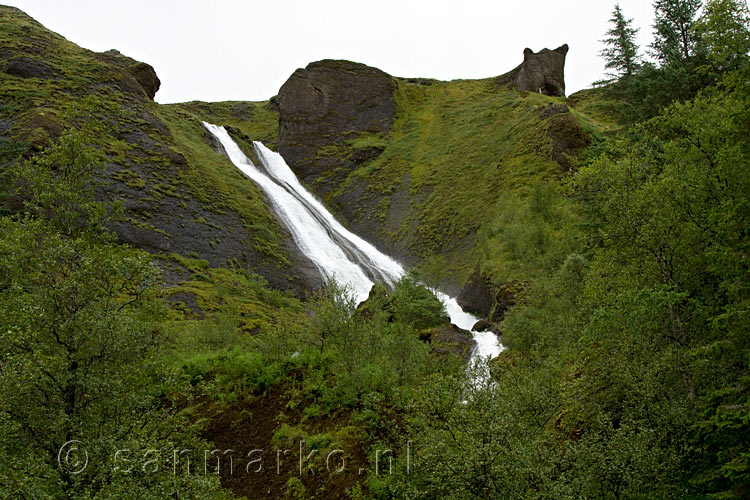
(451, 340)
(476, 296)
(484, 325)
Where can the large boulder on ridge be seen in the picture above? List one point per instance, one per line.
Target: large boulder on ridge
(142, 72)
(542, 72)
(327, 104)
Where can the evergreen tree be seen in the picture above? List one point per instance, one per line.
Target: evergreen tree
(724, 28)
(675, 38)
(621, 51)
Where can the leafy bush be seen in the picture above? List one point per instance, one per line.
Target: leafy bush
(413, 304)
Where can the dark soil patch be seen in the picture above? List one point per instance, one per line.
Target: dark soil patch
(262, 469)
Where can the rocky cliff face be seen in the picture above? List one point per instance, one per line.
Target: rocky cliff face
(542, 72)
(179, 195)
(323, 106)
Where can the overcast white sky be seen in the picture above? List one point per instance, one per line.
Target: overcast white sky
(245, 50)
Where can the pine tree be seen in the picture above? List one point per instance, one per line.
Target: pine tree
(621, 51)
(675, 38)
(724, 28)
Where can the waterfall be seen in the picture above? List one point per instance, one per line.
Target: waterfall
(335, 251)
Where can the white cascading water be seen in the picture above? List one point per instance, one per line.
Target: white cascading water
(336, 251)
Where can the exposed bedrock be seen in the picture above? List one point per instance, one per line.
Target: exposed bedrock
(542, 72)
(326, 104)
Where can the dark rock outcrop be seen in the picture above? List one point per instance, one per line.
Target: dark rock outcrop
(542, 72)
(451, 340)
(476, 296)
(327, 103)
(140, 237)
(505, 298)
(484, 325)
(552, 110)
(27, 67)
(144, 74)
(357, 205)
(487, 300)
(567, 139)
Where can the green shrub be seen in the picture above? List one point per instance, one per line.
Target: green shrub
(413, 304)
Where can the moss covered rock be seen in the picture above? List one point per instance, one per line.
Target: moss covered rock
(143, 73)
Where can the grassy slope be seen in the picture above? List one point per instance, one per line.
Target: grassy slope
(462, 148)
(159, 160)
(258, 121)
(212, 179)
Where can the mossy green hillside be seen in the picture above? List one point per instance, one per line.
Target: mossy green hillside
(212, 179)
(179, 195)
(455, 152)
(256, 121)
(220, 307)
(62, 65)
(595, 110)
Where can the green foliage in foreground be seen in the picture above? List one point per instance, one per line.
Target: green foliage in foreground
(627, 370)
(80, 343)
(347, 354)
